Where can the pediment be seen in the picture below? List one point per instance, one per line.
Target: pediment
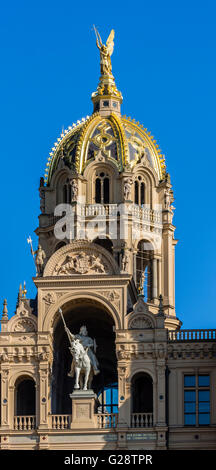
(81, 258)
(141, 318)
(23, 320)
(140, 322)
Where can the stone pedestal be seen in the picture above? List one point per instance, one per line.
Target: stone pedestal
(83, 406)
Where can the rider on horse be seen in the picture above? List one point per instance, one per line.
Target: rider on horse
(88, 344)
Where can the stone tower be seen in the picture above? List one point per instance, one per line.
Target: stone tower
(106, 259)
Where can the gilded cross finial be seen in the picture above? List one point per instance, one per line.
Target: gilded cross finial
(24, 291)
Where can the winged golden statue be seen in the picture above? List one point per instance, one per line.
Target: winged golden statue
(105, 52)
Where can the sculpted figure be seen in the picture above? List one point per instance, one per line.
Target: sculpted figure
(125, 263)
(84, 364)
(127, 189)
(39, 257)
(167, 198)
(74, 190)
(97, 264)
(105, 52)
(141, 283)
(67, 267)
(89, 344)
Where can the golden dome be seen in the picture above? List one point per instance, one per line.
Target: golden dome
(118, 138)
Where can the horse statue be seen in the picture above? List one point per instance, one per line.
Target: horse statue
(85, 363)
(81, 365)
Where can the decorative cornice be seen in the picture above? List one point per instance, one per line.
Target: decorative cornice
(85, 281)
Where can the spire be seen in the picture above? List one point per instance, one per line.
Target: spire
(107, 98)
(19, 297)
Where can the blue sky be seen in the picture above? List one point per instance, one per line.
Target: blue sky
(164, 65)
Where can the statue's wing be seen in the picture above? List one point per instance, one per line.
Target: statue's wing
(98, 38)
(110, 42)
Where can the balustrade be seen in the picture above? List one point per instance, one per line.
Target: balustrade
(192, 335)
(61, 421)
(107, 420)
(142, 420)
(24, 423)
(93, 210)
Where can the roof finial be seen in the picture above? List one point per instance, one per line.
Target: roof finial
(105, 52)
(5, 310)
(19, 297)
(24, 291)
(161, 307)
(107, 87)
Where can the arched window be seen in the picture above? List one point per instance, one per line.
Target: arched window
(142, 194)
(144, 272)
(108, 398)
(142, 400)
(25, 397)
(106, 190)
(67, 194)
(98, 191)
(139, 191)
(136, 193)
(102, 188)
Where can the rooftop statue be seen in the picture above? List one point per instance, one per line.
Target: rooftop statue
(105, 52)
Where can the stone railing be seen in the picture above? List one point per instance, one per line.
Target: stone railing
(109, 210)
(61, 421)
(142, 213)
(142, 420)
(24, 423)
(107, 420)
(192, 335)
(104, 421)
(92, 210)
(147, 215)
(49, 220)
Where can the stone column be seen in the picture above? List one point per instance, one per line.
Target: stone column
(168, 255)
(159, 276)
(155, 279)
(161, 399)
(5, 421)
(124, 396)
(42, 397)
(134, 268)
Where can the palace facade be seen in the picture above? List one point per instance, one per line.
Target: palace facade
(106, 259)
